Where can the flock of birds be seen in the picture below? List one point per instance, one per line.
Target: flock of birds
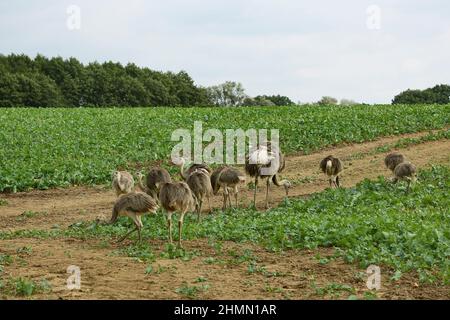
(200, 183)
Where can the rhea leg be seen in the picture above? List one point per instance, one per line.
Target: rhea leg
(226, 195)
(200, 204)
(229, 198)
(128, 233)
(236, 195)
(224, 200)
(267, 192)
(254, 193)
(136, 223)
(180, 227)
(139, 226)
(169, 225)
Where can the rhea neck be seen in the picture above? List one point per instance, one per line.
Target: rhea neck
(141, 183)
(181, 165)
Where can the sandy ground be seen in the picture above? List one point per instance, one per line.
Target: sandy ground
(217, 275)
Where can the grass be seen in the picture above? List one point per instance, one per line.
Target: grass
(24, 287)
(28, 215)
(333, 290)
(5, 260)
(139, 252)
(191, 292)
(57, 147)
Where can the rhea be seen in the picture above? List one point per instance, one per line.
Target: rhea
(200, 184)
(228, 179)
(405, 171)
(154, 177)
(393, 159)
(332, 167)
(122, 182)
(133, 205)
(185, 173)
(175, 196)
(266, 162)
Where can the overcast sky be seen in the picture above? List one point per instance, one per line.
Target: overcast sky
(367, 51)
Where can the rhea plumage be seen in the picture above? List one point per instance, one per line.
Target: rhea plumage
(133, 205)
(200, 184)
(154, 177)
(122, 182)
(332, 167)
(228, 179)
(266, 162)
(176, 196)
(405, 171)
(185, 173)
(393, 159)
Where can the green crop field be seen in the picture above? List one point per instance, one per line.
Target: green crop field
(375, 222)
(44, 148)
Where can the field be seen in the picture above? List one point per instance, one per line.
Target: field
(47, 148)
(317, 244)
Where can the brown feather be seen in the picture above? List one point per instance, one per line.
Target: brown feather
(336, 165)
(176, 196)
(393, 159)
(137, 202)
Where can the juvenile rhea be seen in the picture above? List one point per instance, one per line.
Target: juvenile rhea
(332, 167)
(176, 196)
(133, 205)
(393, 159)
(154, 177)
(228, 179)
(122, 182)
(265, 163)
(200, 184)
(185, 173)
(405, 171)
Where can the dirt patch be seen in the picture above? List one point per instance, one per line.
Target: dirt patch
(235, 272)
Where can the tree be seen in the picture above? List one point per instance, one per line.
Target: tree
(227, 94)
(130, 92)
(63, 82)
(10, 95)
(277, 100)
(260, 101)
(347, 102)
(38, 90)
(327, 101)
(439, 94)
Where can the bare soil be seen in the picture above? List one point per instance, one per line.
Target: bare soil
(288, 275)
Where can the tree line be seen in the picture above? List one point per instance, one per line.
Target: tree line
(439, 94)
(58, 82)
(44, 82)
